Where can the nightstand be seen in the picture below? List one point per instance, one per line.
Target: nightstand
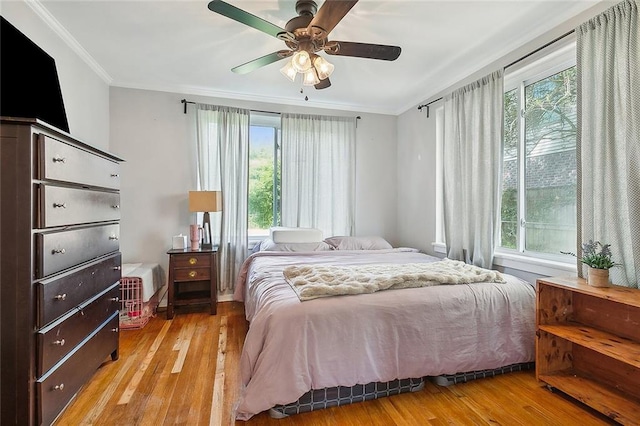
(192, 278)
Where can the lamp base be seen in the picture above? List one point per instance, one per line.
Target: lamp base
(207, 244)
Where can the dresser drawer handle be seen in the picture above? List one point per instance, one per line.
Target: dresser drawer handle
(58, 159)
(62, 296)
(113, 237)
(115, 330)
(59, 342)
(59, 205)
(59, 387)
(115, 206)
(117, 268)
(115, 175)
(193, 261)
(58, 251)
(192, 274)
(114, 299)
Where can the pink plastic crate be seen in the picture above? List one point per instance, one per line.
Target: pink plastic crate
(134, 312)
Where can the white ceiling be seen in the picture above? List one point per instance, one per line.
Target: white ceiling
(181, 46)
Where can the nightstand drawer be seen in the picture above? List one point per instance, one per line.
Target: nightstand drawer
(192, 274)
(193, 260)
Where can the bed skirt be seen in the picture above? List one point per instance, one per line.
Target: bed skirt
(317, 399)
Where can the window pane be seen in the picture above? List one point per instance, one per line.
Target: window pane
(262, 160)
(509, 212)
(550, 169)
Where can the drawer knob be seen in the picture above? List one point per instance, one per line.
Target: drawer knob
(58, 159)
(113, 238)
(58, 251)
(115, 330)
(59, 387)
(192, 274)
(115, 175)
(59, 205)
(115, 299)
(59, 342)
(193, 261)
(62, 296)
(117, 268)
(115, 206)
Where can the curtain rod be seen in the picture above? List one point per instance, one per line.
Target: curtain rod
(540, 48)
(511, 64)
(185, 102)
(427, 105)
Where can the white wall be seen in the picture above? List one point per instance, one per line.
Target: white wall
(151, 132)
(84, 93)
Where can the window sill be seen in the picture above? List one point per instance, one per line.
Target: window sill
(520, 262)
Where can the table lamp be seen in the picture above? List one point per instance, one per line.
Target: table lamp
(205, 201)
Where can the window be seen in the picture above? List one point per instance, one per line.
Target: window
(538, 213)
(264, 173)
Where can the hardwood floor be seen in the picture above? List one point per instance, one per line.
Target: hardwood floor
(185, 371)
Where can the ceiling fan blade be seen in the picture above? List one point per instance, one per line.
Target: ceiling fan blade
(330, 13)
(262, 61)
(365, 50)
(323, 84)
(246, 18)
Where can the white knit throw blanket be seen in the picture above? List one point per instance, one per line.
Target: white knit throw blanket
(313, 281)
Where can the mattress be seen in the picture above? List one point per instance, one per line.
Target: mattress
(149, 273)
(346, 341)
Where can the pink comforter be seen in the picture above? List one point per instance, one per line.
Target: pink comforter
(292, 346)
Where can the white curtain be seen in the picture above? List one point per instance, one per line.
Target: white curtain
(222, 137)
(472, 169)
(318, 173)
(608, 65)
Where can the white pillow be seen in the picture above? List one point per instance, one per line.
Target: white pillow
(281, 234)
(269, 245)
(358, 243)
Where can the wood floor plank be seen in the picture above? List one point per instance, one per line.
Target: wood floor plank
(217, 400)
(204, 352)
(126, 396)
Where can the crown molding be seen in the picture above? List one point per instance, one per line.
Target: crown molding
(57, 27)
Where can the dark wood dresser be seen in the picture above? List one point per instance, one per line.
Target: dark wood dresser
(60, 268)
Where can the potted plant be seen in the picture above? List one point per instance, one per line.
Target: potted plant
(597, 257)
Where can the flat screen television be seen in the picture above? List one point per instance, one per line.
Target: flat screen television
(29, 85)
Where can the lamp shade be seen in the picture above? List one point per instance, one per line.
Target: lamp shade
(205, 201)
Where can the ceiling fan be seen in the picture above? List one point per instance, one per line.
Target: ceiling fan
(305, 35)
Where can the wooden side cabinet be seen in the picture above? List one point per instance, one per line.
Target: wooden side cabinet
(192, 279)
(588, 344)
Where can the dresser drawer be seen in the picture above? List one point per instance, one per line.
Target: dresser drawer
(192, 260)
(59, 294)
(192, 274)
(58, 339)
(59, 206)
(66, 163)
(59, 385)
(59, 250)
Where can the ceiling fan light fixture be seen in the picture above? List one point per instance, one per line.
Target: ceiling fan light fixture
(310, 77)
(323, 67)
(301, 61)
(289, 71)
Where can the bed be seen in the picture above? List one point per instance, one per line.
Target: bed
(301, 353)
